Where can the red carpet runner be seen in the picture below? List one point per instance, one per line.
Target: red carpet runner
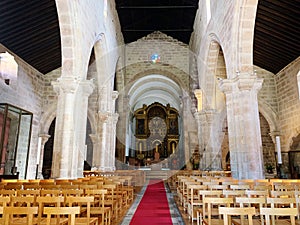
(153, 208)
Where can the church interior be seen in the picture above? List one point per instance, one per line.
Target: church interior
(124, 96)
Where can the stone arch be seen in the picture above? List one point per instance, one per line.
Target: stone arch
(216, 70)
(269, 115)
(74, 52)
(243, 30)
(47, 118)
(159, 70)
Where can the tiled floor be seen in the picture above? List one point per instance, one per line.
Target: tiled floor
(178, 217)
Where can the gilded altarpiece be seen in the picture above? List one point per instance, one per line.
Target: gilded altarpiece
(156, 133)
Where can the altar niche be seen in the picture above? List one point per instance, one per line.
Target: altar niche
(156, 133)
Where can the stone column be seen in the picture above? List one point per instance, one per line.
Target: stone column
(210, 153)
(201, 119)
(70, 128)
(96, 153)
(112, 133)
(101, 153)
(86, 89)
(40, 156)
(112, 139)
(243, 126)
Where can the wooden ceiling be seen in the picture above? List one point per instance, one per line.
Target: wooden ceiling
(30, 28)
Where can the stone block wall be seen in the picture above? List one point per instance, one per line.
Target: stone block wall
(174, 56)
(26, 92)
(288, 104)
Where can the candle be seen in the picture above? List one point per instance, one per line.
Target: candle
(279, 159)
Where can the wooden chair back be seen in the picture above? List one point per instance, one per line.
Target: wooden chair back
(4, 201)
(13, 213)
(227, 212)
(273, 212)
(71, 212)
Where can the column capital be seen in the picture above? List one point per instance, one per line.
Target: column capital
(66, 85)
(241, 83)
(273, 135)
(44, 137)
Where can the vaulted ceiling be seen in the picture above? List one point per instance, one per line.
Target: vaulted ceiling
(30, 28)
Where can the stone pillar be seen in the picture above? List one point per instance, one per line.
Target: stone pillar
(112, 139)
(201, 119)
(40, 155)
(101, 153)
(243, 126)
(210, 153)
(112, 133)
(96, 153)
(70, 128)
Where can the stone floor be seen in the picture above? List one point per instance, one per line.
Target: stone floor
(178, 216)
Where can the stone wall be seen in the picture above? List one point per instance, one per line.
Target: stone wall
(26, 92)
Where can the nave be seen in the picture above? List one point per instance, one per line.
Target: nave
(133, 197)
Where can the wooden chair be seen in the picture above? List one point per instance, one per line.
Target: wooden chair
(194, 198)
(207, 194)
(8, 193)
(4, 201)
(28, 192)
(275, 212)
(281, 202)
(239, 187)
(46, 201)
(59, 212)
(12, 215)
(19, 201)
(13, 186)
(257, 203)
(227, 212)
(257, 193)
(50, 192)
(31, 186)
(99, 207)
(72, 192)
(211, 206)
(297, 197)
(218, 187)
(113, 200)
(85, 203)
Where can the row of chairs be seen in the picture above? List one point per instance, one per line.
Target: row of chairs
(260, 211)
(117, 194)
(95, 203)
(192, 190)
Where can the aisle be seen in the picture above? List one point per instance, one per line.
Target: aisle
(173, 210)
(153, 208)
